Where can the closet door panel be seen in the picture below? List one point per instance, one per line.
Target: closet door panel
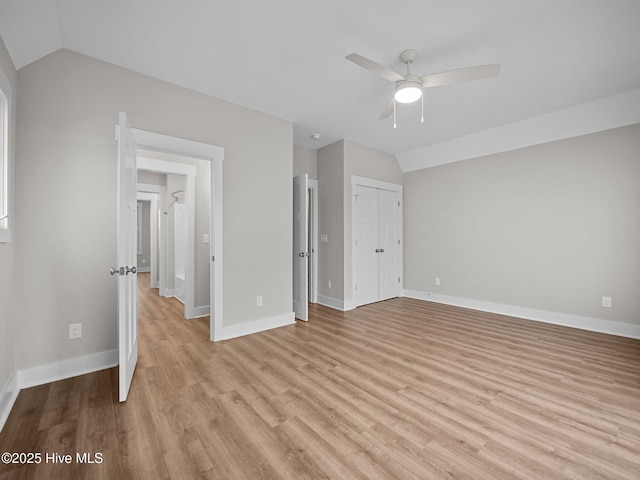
(388, 285)
(365, 244)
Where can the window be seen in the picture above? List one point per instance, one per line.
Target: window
(5, 100)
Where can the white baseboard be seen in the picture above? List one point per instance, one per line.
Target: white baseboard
(564, 319)
(255, 326)
(201, 312)
(173, 293)
(52, 372)
(8, 396)
(71, 367)
(341, 305)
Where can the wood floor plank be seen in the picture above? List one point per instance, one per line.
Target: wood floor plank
(395, 390)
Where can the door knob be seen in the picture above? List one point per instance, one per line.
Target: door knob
(302, 254)
(131, 270)
(116, 271)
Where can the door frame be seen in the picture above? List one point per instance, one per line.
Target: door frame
(380, 185)
(161, 192)
(313, 240)
(156, 242)
(179, 146)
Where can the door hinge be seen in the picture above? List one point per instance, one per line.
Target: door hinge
(356, 287)
(213, 258)
(398, 241)
(398, 279)
(398, 202)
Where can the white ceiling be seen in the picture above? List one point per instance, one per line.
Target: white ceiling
(286, 57)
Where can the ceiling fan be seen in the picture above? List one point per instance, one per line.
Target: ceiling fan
(408, 87)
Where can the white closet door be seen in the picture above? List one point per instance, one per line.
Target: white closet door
(365, 244)
(388, 284)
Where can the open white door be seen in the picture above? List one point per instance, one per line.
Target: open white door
(300, 247)
(127, 255)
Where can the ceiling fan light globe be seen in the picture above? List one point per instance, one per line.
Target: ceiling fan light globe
(408, 93)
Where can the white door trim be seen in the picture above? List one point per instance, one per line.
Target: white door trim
(373, 183)
(161, 190)
(313, 238)
(214, 154)
(145, 192)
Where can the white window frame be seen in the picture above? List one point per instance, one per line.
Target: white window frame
(5, 106)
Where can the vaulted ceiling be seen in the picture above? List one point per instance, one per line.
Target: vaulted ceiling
(287, 57)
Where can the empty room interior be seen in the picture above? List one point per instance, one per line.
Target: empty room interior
(347, 240)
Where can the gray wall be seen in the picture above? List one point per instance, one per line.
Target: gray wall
(66, 178)
(305, 160)
(331, 220)
(336, 164)
(7, 250)
(150, 178)
(553, 227)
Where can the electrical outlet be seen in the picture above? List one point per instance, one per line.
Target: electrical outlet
(259, 300)
(144, 260)
(328, 283)
(437, 280)
(606, 302)
(75, 330)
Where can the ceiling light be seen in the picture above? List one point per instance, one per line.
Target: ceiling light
(408, 91)
(315, 136)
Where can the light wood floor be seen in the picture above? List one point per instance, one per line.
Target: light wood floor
(397, 390)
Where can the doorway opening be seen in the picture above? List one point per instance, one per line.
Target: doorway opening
(130, 141)
(196, 169)
(305, 228)
(184, 213)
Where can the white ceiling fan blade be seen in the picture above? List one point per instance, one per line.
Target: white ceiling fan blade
(375, 67)
(460, 75)
(388, 110)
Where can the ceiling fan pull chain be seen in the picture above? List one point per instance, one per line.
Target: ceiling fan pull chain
(394, 113)
(422, 116)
